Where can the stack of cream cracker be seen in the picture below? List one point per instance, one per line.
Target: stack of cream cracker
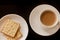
(11, 30)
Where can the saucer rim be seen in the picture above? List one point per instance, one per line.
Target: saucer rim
(30, 18)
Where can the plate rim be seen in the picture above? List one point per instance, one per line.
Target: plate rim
(20, 17)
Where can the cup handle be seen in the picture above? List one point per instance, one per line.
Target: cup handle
(59, 17)
(59, 20)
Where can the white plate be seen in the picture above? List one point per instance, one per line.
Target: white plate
(34, 20)
(19, 19)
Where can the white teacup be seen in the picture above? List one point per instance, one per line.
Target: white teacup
(52, 9)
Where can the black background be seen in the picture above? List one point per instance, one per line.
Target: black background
(24, 8)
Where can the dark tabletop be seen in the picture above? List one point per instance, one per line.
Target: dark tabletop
(24, 8)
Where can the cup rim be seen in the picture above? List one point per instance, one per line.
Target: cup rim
(56, 21)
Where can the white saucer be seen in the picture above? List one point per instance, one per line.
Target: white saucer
(34, 20)
(19, 19)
